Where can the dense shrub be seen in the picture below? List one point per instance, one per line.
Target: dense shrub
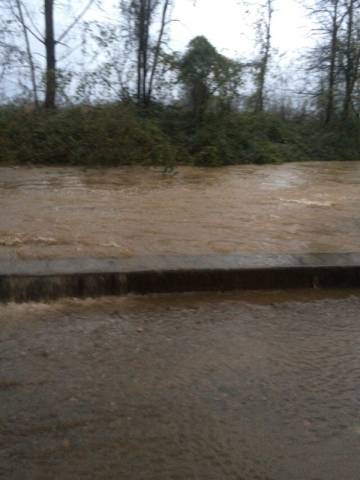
(122, 135)
(111, 135)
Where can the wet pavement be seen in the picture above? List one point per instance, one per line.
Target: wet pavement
(129, 212)
(222, 386)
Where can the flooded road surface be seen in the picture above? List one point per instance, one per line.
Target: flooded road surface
(291, 208)
(241, 387)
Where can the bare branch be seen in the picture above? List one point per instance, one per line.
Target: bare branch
(19, 6)
(32, 21)
(75, 21)
(164, 23)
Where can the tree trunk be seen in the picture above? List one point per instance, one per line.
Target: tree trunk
(349, 72)
(264, 63)
(50, 44)
(329, 113)
(158, 48)
(147, 22)
(141, 16)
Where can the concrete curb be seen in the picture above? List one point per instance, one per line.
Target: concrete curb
(45, 280)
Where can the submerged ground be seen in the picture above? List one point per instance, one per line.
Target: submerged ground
(241, 386)
(250, 386)
(69, 212)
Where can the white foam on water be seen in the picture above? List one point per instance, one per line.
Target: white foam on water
(310, 203)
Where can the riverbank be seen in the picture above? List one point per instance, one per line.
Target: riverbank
(120, 134)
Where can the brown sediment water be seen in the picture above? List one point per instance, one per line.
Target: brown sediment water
(250, 386)
(52, 212)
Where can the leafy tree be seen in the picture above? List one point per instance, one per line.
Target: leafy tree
(208, 77)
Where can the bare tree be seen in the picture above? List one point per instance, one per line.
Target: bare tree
(265, 36)
(350, 54)
(7, 49)
(336, 19)
(329, 16)
(15, 55)
(165, 9)
(18, 11)
(19, 14)
(50, 44)
(141, 16)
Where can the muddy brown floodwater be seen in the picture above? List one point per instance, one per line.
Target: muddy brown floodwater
(255, 386)
(291, 208)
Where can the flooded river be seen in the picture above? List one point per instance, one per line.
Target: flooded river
(291, 208)
(247, 386)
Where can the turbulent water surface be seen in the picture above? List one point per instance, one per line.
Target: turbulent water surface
(292, 208)
(255, 386)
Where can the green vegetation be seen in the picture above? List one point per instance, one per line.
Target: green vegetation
(122, 134)
(193, 107)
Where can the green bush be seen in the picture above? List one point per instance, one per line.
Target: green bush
(120, 134)
(94, 136)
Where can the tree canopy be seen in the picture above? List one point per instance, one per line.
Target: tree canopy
(205, 74)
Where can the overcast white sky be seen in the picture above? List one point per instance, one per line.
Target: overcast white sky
(230, 29)
(227, 25)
